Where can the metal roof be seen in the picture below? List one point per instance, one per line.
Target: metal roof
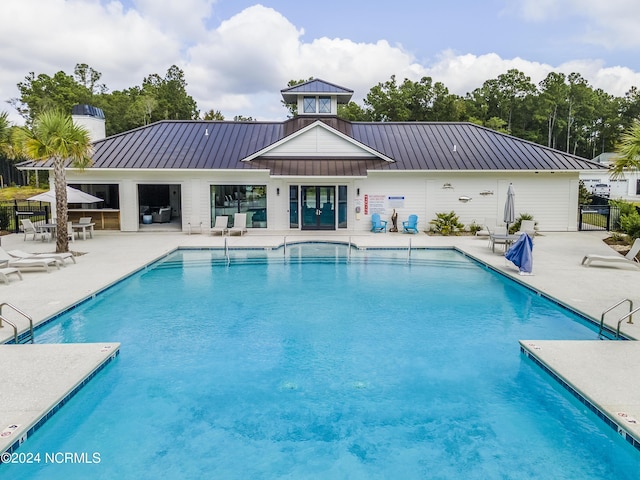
(413, 146)
(316, 87)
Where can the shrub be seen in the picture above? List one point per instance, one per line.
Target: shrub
(447, 223)
(474, 227)
(630, 224)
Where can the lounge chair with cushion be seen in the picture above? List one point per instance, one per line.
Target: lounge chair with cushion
(28, 263)
(488, 226)
(239, 224)
(163, 215)
(410, 225)
(629, 259)
(58, 256)
(5, 272)
(221, 225)
(378, 225)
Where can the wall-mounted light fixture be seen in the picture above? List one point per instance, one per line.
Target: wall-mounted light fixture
(464, 199)
(278, 191)
(447, 186)
(358, 192)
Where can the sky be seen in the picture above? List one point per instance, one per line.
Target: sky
(238, 54)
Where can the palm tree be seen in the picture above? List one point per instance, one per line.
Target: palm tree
(628, 150)
(5, 134)
(55, 137)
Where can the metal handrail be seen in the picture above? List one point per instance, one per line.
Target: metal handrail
(17, 310)
(409, 251)
(15, 329)
(226, 251)
(630, 314)
(349, 250)
(284, 244)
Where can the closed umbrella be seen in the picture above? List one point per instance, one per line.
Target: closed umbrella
(510, 207)
(521, 254)
(73, 196)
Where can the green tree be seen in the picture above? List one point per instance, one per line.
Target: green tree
(292, 107)
(170, 93)
(55, 137)
(213, 115)
(42, 92)
(628, 150)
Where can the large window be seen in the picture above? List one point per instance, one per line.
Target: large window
(231, 199)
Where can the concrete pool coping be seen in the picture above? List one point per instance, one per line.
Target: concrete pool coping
(576, 363)
(111, 256)
(39, 380)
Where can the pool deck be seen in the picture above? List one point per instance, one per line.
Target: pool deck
(605, 372)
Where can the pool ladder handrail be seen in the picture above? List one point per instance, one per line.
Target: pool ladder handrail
(29, 337)
(628, 315)
(349, 250)
(226, 251)
(409, 251)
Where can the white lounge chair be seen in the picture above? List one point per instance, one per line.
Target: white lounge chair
(61, 257)
(488, 226)
(221, 225)
(629, 258)
(28, 263)
(239, 224)
(5, 272)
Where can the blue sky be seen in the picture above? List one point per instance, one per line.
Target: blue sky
(238, 54)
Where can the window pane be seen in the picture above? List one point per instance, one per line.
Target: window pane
(293, 206)
(324, 105)
(231, 199)
(309, 104)
(342, 206)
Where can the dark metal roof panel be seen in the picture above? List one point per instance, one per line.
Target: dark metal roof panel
(411, 146)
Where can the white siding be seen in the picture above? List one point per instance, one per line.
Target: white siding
(317, 141)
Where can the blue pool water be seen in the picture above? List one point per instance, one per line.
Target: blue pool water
(321, 369)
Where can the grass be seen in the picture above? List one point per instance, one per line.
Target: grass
(9, 194)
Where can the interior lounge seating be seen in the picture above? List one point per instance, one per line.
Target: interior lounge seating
(628, 259)
(221, 225)
(162, 216)
(410, 225)
(239, 224)
(378, 225)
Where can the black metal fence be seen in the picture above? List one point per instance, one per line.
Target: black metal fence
(599, 216)
(11, 214)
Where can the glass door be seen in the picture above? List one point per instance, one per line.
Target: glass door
(318, 207)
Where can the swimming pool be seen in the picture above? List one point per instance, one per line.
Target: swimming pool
(315, 368)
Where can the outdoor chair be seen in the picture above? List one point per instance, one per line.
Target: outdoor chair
(239, 224)
(410, 225)
(221, 225)
(61, 257)
(28, 263)
(163, 215)
(527, 226)
(378, 225)
(29, 228)
(628, 259)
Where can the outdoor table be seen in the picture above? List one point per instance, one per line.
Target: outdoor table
(47, 228)
(84, 227)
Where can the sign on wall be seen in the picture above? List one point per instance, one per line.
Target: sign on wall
(396, 201)
(374, 204)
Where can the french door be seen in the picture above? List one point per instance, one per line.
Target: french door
(318, 207)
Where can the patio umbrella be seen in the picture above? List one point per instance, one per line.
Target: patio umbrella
(520, 254)
(509, 207)
(73, 196)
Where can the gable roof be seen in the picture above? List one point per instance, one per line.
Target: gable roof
(404, 146)
(316, 86)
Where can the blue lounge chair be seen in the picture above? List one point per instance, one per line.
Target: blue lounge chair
(378, 225)
(410, 225)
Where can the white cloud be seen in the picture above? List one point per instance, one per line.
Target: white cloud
(610, 23)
